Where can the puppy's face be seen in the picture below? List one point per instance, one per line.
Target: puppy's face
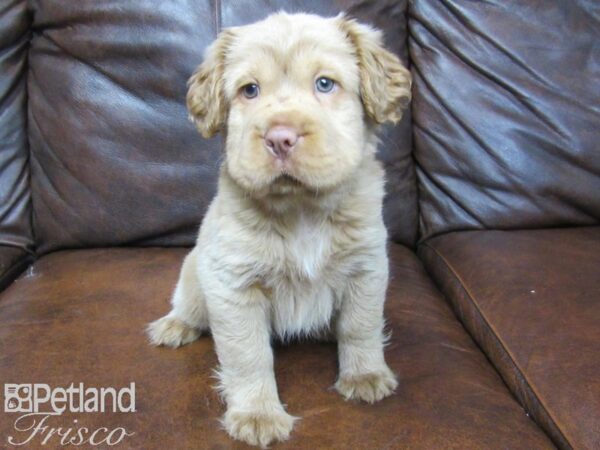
(297, 96)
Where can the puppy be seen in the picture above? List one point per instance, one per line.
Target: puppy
(294, 243)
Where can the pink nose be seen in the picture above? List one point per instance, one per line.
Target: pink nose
(281, 140)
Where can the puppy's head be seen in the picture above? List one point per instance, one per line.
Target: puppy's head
(298, 97)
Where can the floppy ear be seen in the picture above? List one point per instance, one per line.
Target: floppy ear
(384, 81)
(206, 101)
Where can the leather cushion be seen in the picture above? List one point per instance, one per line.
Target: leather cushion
(505, 113)
(15, 205)
(531, 299)
(78, 316)
(114, 158)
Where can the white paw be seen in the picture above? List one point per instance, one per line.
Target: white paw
(369, 387)
(171, 332)
(259, 427)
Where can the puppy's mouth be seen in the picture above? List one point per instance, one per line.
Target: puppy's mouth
(286, 178)
(286, 184)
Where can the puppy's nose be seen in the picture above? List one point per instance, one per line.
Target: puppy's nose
(281, 140)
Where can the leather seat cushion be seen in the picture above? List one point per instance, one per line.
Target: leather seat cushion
(532, 301)
(79, 316)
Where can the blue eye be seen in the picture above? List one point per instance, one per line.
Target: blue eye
(324, 84)
(250, 90)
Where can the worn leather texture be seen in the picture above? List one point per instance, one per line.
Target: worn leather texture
(15, 206)
(114, 158)
(531, 299)
(506, 113)
(78, 316)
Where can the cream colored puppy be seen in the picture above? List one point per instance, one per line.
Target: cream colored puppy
(294, 242)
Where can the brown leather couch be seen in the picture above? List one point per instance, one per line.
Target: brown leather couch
(493, 209)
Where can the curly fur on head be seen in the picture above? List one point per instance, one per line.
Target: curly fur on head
(205, 100)
(283, 55)
(384, 82)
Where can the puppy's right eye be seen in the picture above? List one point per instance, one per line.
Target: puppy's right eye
(250, 90)
(324, 84)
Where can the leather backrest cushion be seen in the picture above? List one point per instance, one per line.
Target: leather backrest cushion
(115, 160)
(506, 113)
(15, 204)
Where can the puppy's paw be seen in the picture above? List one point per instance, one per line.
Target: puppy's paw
(259, 427)
(171, 332)
(369, 387)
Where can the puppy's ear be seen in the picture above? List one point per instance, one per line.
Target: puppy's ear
(384, 81)
(206, 101)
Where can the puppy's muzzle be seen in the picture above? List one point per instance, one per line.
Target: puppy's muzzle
(281, 140)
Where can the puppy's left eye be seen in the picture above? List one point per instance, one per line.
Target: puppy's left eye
(324, 84)
(250, 90)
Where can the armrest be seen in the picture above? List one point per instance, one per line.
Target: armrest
(13, 261)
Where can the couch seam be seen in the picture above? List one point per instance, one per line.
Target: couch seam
(31, 219)
(217, 17)
(503, 346)
(410, 109)
(15, 270)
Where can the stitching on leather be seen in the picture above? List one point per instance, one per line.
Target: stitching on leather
(501, 344)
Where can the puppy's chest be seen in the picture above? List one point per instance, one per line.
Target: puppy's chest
(299, 278)
(303, 252)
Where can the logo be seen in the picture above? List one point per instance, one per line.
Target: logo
(17, 398)
(38, 405)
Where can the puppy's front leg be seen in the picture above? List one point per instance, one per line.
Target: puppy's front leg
(364, 375)
(240, 324)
